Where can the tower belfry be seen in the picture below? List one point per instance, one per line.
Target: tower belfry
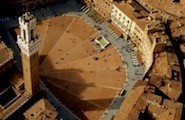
(29, 44)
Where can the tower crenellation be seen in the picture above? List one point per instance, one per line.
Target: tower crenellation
(28, 39)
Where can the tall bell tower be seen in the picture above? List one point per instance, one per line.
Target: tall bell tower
(29, 44)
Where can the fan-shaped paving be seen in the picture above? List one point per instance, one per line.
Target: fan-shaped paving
(85, 79)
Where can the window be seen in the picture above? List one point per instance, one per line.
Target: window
(32, 36)
(24, 33)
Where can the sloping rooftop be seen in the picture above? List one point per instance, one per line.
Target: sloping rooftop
(140, 101)
(161, 65)
(166, 65)
(178, 28)
(130, 101)
(5, 53)
(170, 7)
(135, 12)
(41, 110)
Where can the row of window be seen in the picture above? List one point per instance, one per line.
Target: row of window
(121, 17)
(123, 22)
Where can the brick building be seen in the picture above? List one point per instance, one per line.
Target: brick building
(148, 105)
(103, 7)
(146, 30)
(6, 59)
(41, 110)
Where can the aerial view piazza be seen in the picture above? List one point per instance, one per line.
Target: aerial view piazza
(92, 59)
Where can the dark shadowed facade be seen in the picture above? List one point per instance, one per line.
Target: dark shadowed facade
(20, 6)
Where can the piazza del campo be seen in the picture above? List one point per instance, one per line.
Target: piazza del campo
(92, 59)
